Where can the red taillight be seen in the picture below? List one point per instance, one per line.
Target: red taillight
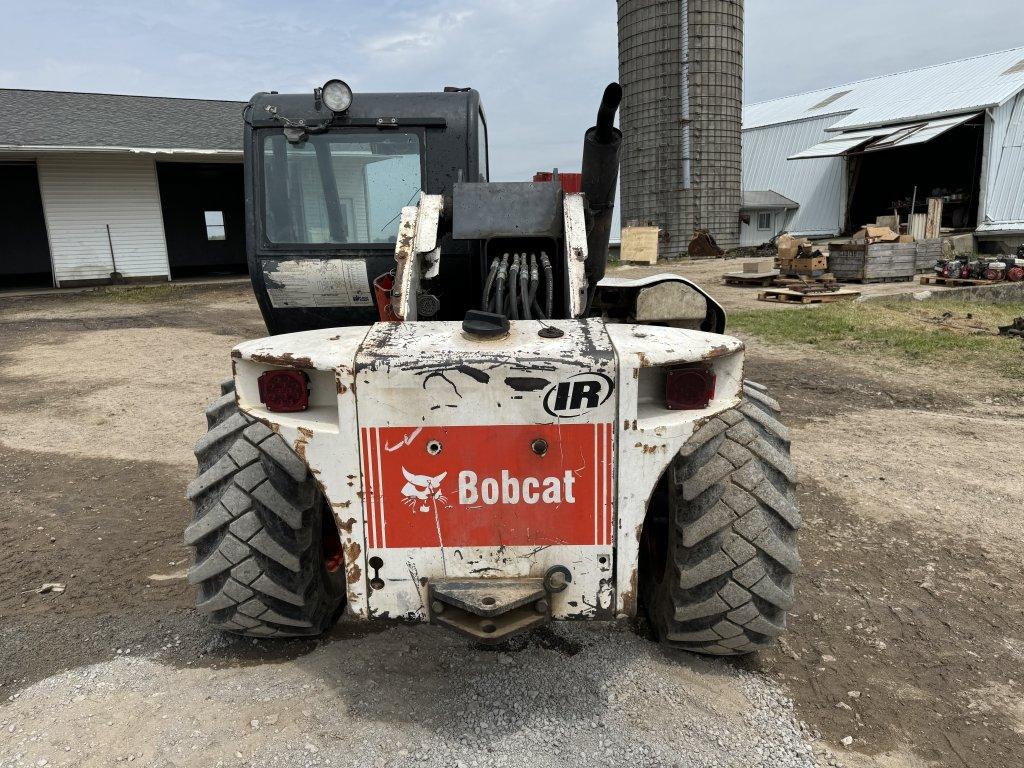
(284, 391)
(690, 388)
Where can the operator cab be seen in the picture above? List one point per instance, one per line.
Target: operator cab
(327, 174)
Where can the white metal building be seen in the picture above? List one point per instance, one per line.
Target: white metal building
(91, 184)
(853, 152)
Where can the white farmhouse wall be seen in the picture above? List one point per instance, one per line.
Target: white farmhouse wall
(84, 193)
(816, 184)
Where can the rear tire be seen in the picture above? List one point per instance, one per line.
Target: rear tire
(719, 546)
(267, 554)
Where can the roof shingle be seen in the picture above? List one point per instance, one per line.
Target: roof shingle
(64, 119)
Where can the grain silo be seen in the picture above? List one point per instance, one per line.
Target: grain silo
(681, 69)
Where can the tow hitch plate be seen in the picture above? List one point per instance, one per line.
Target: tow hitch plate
(489, 610)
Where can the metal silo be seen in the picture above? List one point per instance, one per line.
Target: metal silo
(681, 69)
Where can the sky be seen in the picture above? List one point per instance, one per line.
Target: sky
(540, 66)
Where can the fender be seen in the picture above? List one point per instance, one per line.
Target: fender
(627, 290)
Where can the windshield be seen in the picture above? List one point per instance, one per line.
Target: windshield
(339, 188)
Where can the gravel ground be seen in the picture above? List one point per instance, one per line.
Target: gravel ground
(570, 696)
(906, 646)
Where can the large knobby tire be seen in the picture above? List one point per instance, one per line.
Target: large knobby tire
(719, 546)
(267, 554)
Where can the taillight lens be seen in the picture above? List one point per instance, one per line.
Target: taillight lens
(690, 388)
(284, 391)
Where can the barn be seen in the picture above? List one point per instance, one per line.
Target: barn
(90, 184)
(850, 154)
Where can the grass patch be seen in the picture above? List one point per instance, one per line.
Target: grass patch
(934, 331)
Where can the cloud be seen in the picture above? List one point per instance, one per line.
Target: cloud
(429, 30)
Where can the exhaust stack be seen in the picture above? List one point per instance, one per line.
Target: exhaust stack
(601, 145)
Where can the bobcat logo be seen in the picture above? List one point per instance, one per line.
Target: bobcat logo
(420, 491)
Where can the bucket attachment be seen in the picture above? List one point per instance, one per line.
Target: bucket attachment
(489, 610)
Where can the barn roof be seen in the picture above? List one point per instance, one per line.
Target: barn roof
(956, 87)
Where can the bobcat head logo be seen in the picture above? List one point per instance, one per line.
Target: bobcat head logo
(422, 491)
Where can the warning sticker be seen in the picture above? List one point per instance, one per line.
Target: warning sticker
(318, 283)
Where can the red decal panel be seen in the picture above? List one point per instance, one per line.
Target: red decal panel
(484, 486)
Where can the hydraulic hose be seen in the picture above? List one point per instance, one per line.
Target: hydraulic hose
(485, 301)
(524, 287)
(534, 280)
(513, 280)
(549, 286)
(499, 292)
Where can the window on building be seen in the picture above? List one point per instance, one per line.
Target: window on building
(214, 225)
(764, 221)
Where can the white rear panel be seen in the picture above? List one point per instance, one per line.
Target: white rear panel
(487, 458)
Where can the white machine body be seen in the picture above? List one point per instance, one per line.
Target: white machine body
(449, 456)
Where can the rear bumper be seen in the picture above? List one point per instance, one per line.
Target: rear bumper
(367, 383)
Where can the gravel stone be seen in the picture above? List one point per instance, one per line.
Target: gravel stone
(569, 695)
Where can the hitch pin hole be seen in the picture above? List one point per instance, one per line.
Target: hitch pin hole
(376, 563)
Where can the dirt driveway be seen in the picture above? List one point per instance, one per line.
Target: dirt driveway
(908, 637)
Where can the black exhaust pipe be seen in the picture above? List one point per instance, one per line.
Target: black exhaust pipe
(601, 145)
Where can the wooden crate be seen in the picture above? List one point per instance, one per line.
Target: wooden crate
(873, 261)
(928, 252)
(639, 245)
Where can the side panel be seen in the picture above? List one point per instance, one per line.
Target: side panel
(325, 434)
(487, 458)
(649, 435)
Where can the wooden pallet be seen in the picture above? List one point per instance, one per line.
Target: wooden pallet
(787, 281)
(892, 279)
(786, 296)
(764, 279)
(938, 280)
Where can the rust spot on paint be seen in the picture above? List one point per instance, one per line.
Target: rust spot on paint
(354, 573)
(629, 595)
(352, 552)
(236, 354)
(342, 389)
(305, 433)
(648, 448)
(286, 359)
(345, 525)
(644, 359)
(717, 351)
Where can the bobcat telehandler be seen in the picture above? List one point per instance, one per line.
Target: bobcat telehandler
(458, 419)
